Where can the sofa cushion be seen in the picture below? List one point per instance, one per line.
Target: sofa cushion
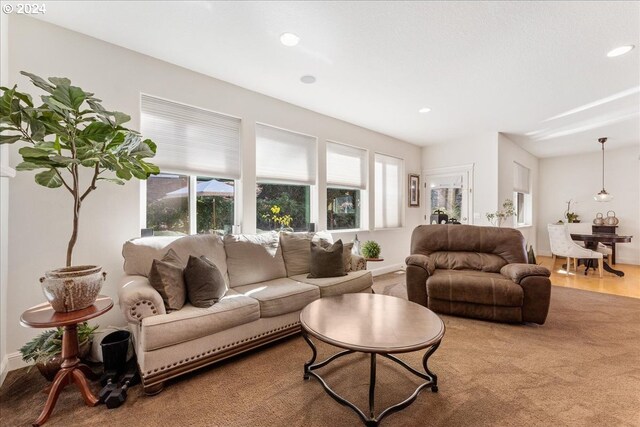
(166, 278)
(326, 262)
(296, 250)
(474, 287)
(204, 282)
(191, 322)
(253, 258)
(139, 253)
(468, 261)
(354, 281)
(280, 296)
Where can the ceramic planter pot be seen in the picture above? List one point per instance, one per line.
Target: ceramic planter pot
(72, 288)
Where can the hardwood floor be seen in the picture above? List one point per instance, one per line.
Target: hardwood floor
(628, 286)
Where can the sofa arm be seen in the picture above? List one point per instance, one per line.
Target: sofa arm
(138, 299)
(517, 272)
(358, 263)
(419, 268)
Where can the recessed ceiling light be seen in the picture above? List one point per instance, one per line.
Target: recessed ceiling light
(424, 110)
(289, 39)
(308, 79)
(620, 51)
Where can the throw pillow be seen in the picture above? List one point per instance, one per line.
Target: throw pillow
(326, 262)
(346, 253)
(166, 278)
(204, 281)
(296, 250)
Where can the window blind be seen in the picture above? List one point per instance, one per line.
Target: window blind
(191, 140)
(388, 194)
(346, 166)
(520, 178)
(284, 156)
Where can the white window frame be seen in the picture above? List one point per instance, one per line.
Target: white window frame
(402, 193)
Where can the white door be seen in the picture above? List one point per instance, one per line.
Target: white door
(449, 190)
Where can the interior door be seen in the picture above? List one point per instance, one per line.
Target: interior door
(449, 191)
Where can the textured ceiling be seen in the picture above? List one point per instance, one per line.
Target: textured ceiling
(480, 66)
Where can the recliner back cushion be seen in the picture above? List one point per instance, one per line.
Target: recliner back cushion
(507, 243)
(468, 261)
(253, 258)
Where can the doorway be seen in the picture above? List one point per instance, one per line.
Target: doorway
(450, 190)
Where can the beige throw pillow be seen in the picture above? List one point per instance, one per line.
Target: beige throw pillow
(166, 278)
(296, 251)
(254, 258)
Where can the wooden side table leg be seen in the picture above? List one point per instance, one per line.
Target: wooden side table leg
(59, 382)
(81, 382)
(88, 372)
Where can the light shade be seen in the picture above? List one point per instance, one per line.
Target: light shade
(620, 51)
(603, 196)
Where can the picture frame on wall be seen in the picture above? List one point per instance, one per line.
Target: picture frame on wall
(414, 190)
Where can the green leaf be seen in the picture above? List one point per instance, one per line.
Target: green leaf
(70, 96)
(38, 81)
(54, 104)
(123, 173)
(38, 130)
(9, 139)
(29, 166)
(114, 180)
(64, 160)
(97, 131)
(56, 144)
(34, 152)
(49, 179)
(120, 118)
(60, 81)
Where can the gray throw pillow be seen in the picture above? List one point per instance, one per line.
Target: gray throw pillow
(326, 262)
(205, 283)
(346, 253)
(166, 278)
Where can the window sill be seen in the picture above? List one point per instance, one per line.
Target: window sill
(523, 226)
(346, 230)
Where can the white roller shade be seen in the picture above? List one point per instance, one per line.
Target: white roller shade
(346, 166)
(191, 140)
(520, 178)
(388, 195)
(284, 156)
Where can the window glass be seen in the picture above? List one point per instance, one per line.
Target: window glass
(283, 207)
(447, 199)
(343, 210)
(168, 204)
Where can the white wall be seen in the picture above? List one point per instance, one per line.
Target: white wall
(40, 218)
(579, 178)
(508, 153)
(482, 152)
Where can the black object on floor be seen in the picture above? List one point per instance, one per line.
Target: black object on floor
(110, 383)
(114, 351)
(118, 396)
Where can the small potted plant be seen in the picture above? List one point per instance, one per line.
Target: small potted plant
(71, 131)
(371, 249)
(45, 350)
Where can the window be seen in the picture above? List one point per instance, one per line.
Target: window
(193, 145)
(174, 208)
(521, 194)
(286, 174)
(388, 191)
(447, 194)
(346, 179)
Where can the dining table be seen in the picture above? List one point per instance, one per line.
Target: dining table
(591, 242)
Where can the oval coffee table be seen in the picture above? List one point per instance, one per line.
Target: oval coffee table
(374, 324)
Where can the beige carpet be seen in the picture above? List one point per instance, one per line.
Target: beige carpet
(582, 368)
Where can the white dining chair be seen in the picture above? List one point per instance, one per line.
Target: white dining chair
(585, 228)
(562, 245)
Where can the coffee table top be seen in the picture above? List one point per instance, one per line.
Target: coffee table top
(372, 323)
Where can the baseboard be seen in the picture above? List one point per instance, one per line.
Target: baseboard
(11, 362)
(384, 270)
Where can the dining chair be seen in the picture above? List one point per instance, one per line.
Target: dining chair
(562, 245)
(585, 228)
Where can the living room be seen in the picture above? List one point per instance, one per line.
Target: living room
(523, 87)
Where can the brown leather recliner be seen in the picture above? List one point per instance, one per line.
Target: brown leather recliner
(479, 272)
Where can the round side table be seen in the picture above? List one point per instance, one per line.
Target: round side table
(43, 316)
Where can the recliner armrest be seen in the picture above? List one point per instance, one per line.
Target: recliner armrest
(517, 272)
(138, 299)
(421, 261)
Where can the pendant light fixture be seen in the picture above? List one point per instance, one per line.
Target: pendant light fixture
(603, 196)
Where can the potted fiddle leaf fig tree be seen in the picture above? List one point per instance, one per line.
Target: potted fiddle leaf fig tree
(71, 138)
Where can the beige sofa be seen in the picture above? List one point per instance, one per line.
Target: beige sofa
(268, 286)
